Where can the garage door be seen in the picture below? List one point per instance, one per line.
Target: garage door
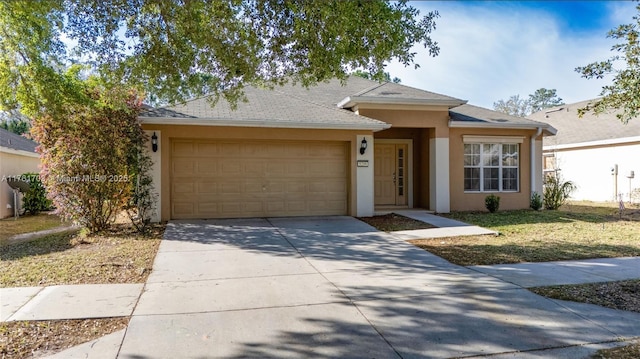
(230, 179)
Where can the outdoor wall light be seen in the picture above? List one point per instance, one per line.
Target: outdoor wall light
(154, 142)
(363, 146)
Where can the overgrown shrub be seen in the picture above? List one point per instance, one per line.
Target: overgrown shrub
(141, 208)
(35, 200)
(90, 153)
(492, 202)
(556, 191)
(536, 201)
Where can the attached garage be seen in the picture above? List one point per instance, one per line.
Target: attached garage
(258, 178)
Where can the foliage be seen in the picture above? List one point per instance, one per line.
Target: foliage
(539, 100)
(181, 49)
(514, 106)
(623, 95)
(556, 191)
(543, 98)
(369, 76)
(35, 200)
(89, 151)
(536, 201)
(492, 203)
(15, 123)
(141, 208)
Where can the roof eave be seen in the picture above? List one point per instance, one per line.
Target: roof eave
(548, 129)
(260, 123)
(351, 101)
(13, 151)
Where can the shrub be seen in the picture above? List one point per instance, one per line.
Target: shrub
(556, 191)
(35, 200)
(492, 202)
(536, 201)
(90, 152)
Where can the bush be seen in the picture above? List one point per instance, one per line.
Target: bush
(556, 191)
(35, 200)
(492, 202)
(536, 201)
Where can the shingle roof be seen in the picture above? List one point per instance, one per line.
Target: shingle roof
(268, 108)
(317, 107)
(573, 129)
(16, 142)
(470, 116)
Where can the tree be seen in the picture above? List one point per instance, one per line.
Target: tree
(90, 153)
(514, 106)
(180, 49)
(623, 95)
(15, 123)
(543, 98)
(367, 75)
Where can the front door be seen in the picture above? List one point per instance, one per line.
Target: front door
(390, 174)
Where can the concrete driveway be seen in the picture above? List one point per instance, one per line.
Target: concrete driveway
(334, 287)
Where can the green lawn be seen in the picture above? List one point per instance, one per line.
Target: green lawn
(576, 231)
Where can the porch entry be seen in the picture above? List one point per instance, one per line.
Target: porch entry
(391, 174)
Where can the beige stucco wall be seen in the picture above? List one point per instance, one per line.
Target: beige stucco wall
(433, 119)
(461, 201)
(169, 132)
(13, 164)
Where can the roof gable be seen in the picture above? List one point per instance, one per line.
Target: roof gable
(589, 128)
(474, 116)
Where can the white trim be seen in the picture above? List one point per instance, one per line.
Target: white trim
(19, 152)
(409, 143)
(262, 123)
(492, 139)
(614, 141)
(351, 101)
(507, 125)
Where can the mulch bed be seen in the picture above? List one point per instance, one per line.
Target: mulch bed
(394, 222)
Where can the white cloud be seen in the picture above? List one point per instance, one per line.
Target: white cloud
(491, 53)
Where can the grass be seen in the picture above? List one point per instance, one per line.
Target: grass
(631, 351)
(10, 227)
(38, 338)
(394, 222)
(622, 295)
(576, 231)
(117, 256)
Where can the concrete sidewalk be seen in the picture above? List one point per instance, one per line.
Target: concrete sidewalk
(445, 227)
(330, 287)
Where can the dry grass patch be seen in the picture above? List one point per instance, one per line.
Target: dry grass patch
(394, 222)
(117, 256)
(622, 295)
(31, 339)
(576, 231)
(631, 351)
(10, 227)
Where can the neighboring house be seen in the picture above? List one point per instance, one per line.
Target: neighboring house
(17, 156)
(340, 149)
(587, 151)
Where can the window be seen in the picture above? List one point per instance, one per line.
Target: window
(491, 167)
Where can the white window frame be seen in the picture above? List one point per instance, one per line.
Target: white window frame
(493, 140)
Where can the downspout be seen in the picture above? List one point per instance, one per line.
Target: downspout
(532, 162)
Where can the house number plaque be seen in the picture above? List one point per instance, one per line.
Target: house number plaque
(363, 163)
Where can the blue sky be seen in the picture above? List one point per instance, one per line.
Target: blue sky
(490, 50)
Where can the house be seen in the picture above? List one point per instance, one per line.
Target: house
(340, 149)
(17, 156)
(600, 154)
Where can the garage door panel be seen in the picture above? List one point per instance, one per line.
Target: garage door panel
(218, 179)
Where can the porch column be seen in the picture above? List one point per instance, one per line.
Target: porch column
(364, 177)
(439, 174)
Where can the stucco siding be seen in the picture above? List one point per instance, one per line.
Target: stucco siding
(169, 132)
(12, 164)
(590, 169)
(466, 201)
